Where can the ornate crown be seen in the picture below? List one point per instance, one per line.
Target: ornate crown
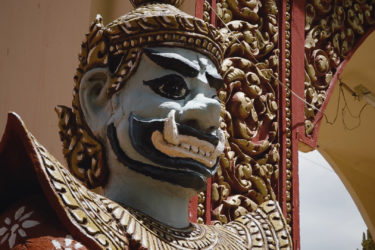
(119, 47)
(137, 3)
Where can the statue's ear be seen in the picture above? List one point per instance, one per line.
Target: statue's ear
(94, 100)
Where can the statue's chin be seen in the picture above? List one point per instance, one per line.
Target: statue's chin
(181, 165)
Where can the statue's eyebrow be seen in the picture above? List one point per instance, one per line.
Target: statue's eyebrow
(173, 61)
(215, 80)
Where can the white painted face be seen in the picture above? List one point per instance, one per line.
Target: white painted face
(165, 121)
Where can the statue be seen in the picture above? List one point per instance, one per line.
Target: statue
(144, 126)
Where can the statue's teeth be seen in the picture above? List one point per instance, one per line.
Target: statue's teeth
(176, 145)
(170, 131)
(185, 146)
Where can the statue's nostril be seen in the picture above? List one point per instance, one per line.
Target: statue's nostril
(212, 130)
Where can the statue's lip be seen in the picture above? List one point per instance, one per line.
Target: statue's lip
(185, 172)
(140, 132)
(187, 130)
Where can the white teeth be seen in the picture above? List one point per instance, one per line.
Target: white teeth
(180, 151)
(170, 132)
(173, 144)
(185, 146)
(194, 149)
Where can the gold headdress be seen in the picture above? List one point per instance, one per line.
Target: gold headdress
(119, 47)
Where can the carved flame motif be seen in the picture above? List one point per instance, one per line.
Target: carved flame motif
(249, 168)
(332, 29)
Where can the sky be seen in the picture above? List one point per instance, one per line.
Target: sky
(329, 218)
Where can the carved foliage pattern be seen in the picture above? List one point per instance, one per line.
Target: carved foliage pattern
(332, 29)
(249, 168)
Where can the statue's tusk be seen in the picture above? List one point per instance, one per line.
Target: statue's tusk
(170, 131)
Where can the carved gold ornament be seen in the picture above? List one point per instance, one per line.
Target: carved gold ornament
(332, 30)
(119, 47)
(288, 117)
(249, 169)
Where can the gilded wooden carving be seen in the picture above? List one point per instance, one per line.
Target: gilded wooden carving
(207, 11)
(249, 170)
(288, 116)
(332, 30)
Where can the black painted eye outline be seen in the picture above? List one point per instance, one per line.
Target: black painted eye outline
(170, 86)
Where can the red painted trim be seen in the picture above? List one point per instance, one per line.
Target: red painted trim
(209, 181)
(193, 209)
(213, 15)
(199, 8)
(193, 204)
(208, 202)
(281, 188)
(297, 108)
(313, 140)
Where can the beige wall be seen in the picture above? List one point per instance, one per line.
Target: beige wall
(351, 152)
(39, 44)
(112, 9)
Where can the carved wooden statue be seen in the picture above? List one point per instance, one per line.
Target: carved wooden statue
(145, 126)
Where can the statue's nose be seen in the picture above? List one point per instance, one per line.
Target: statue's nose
(202, 113)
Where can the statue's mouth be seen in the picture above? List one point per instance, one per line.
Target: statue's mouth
(183, 155)
(179, 140)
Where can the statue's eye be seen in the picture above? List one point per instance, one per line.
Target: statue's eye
(170, 86)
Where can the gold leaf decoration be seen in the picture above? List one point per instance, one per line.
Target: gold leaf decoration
(249, 168)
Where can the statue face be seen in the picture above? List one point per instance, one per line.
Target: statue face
(165, 121)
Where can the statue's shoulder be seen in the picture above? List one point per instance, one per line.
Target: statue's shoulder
(38, 194)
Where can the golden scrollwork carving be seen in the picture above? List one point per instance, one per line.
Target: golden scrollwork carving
(250, 165)
(243, 9)
(288, 117)
(332, 29)
(201, 208)
(207, 11)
